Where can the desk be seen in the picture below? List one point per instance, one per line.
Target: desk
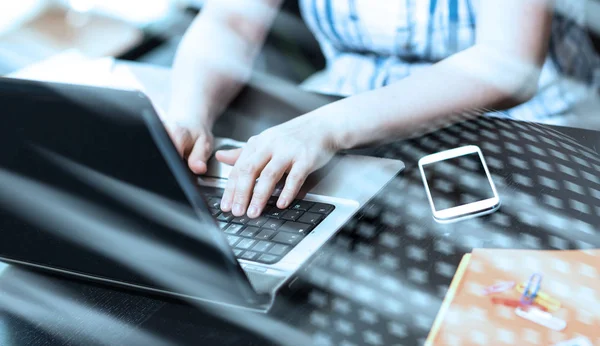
(381, 280)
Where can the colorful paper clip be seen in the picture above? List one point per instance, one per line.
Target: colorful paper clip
(514, 303)
(542, 299)
(499, 287)
(532, 288)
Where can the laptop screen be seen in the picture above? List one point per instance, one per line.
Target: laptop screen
(90, 184)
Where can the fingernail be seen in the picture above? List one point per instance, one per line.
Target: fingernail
(253, 211)
(199, 167)
(225, 205)
(282, 203)
(238, 209)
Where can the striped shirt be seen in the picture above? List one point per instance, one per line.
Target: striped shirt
(372, 43)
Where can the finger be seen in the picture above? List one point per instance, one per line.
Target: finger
(227, 199)
(200, 154)
(293, 183)
(248, 169)
(228, 157)
(268, 179)
(181, 138)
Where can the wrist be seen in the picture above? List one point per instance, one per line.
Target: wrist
(187, 105)
(207, 116)
(333, 128)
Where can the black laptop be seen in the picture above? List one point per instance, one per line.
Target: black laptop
(91, 186)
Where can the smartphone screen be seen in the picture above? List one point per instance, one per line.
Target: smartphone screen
(457, 181)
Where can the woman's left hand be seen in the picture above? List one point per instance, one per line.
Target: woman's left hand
(297, 147)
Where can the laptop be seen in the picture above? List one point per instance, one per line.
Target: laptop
(92, 187)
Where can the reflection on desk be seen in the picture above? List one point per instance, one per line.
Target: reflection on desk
(382, 279)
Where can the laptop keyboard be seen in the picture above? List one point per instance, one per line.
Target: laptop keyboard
(268, 238)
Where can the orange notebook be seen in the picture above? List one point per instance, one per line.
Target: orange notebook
(566, 307)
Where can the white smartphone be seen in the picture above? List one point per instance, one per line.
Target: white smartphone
(458, 184)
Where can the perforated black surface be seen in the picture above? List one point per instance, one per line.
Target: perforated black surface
(382, 280)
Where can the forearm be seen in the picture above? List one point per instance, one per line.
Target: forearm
(216, 55)
(470, 80)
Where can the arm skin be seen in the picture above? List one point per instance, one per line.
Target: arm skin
(212, 62)
(501, 70)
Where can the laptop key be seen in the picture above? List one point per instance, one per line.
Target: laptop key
(275, 212)
(237, 252)
(292, 215)
(245, 243)
(232, 239)
(214, 203)
(321, 208)
(312, 218)
(241, 220)
(287, 238)
(225, 217)
(273, 224)
(249, 255)
(258, 222)
(264, 234)
(214, 212)
(301, 205)
(262, 246)
(234, 229)
(295, 227)
(272, 200)
(249, 232)
(222, 225)
(278, 249)
(266, 258)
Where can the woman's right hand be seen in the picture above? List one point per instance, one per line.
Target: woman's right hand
(213, 61)
(194, 142)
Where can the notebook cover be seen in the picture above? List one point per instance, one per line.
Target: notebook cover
(454, 285)
(468, 317)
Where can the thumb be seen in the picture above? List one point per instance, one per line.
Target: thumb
(200, 154)
(228, 157)
(181, 137)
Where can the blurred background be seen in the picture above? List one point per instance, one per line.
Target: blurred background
(149, 31)
(136, 30)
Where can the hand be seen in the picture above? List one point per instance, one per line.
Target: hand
(194, 142)
(298, 147)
